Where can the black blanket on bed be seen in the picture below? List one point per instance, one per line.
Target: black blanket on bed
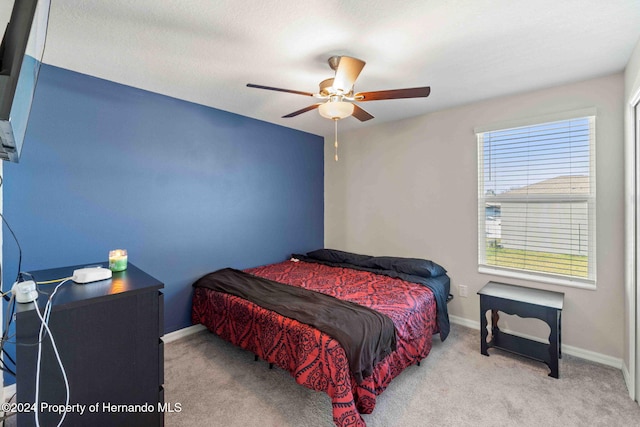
(433, 276)
(366, 335)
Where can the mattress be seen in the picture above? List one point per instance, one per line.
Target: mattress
(314, 359)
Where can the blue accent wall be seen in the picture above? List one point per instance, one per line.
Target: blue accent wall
(186, 189)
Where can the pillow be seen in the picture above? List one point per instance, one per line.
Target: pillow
(413, 266)
(336, 256)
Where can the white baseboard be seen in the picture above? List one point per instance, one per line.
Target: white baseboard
(181, 333)
(592, 356)
(473, 324)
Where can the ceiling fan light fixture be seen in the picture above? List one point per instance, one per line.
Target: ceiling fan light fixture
(336, 110)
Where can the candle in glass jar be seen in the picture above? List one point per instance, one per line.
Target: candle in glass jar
(118, 260)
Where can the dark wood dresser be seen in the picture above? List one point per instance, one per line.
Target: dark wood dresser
(108, 335)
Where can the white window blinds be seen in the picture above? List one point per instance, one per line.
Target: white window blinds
(536, 200)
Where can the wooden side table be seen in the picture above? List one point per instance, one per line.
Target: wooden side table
(525, 302)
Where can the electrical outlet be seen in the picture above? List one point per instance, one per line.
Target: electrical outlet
(462, 291)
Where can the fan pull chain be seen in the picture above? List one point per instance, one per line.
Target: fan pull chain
(335, 144)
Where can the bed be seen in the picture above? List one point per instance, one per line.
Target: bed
(411, 293)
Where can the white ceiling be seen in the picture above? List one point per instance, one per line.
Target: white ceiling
(206, 51)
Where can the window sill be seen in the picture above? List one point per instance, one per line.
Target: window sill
(554, 280)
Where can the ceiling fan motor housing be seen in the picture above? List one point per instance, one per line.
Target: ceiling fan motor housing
(334, 61)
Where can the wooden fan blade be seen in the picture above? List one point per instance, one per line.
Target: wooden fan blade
(416, 92)
(348, 71)
(361, 114)
(297, 92)
(304, 110)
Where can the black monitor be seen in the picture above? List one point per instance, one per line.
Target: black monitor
(20, 58)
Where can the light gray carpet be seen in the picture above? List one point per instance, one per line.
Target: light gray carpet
(220, 385)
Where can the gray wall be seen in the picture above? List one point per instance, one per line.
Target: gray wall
(632, 296)
(409, 188)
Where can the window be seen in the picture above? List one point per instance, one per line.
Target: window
(536, 201)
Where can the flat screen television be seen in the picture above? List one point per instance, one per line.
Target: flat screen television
(20, 58)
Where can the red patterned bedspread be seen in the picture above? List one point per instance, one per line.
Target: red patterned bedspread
(313, 358)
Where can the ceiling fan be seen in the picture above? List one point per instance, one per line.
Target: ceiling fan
(338, 96)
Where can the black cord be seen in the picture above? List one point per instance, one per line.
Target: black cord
(26, 273)
(5, 337)
(17, 243)
(6, 353)
(7, 322)
(6, 368)
(8, 415)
